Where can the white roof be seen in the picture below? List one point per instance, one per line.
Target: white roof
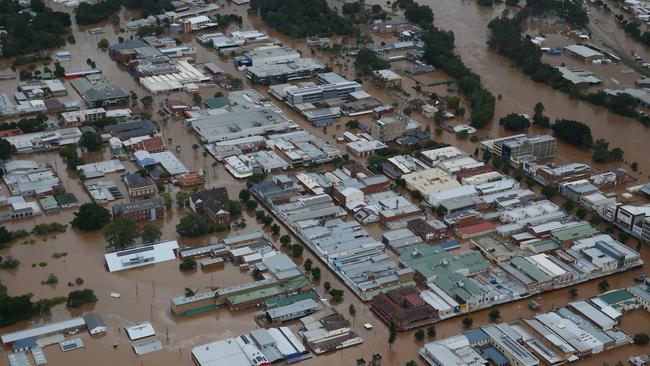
(140, 330)
(219, 353)
(141, 256)
(46, 329)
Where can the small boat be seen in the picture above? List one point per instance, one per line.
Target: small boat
(533, 304)
(640, 278)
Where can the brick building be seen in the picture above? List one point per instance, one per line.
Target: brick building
(145, 210)
(214, 203)
(404, 308)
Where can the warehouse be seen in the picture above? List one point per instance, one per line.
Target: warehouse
(238, 124)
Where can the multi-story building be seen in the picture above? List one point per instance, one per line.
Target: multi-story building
(145, 210)
(139, 186)
(538, 146)
(214, 203)
(388, 128)
(331, 86)
(403, 308)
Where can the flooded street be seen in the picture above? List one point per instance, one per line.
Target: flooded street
(146, 292)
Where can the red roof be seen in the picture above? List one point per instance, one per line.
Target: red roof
(476, 228)
(12, 132)
(152, 144)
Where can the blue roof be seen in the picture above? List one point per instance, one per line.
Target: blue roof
(476, 336)
(24, 343)
(449, 244)
(497, 357)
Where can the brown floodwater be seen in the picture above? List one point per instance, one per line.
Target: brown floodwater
(146, 291)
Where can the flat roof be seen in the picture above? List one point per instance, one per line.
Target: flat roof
(46, 329)
(141, 256)
(140, 330)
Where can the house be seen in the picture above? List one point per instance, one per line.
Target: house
(427, 231)
(145, 210)
(139, 186)
(213, 202)
(95, 323)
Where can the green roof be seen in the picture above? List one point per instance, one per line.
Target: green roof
(291, 299)
(431, 261)
(617, 296)
(66, 199)
(579, 231)
(528, 268)
(543, 246)
(458, 286)
(290, 286)
(49, 203)
(216, 102)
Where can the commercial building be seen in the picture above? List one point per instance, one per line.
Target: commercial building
(428, 230)
(141, 256)
(44, 140)
(239, 124)
(292, 311)
(95, 323)
(516, 146)
(403, 308)
(267, 55)
(98, 92)
(429, 181)
(130, 129)
(43, 331)
(214, 203)
(144, 210)
(389, 127)
(331, 86)
(328, 333)
(139, 186)
(583, 52)
(276, 73)
(78, 118)
(28, 178)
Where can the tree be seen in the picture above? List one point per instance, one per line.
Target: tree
(582, 213)
(182, 199)
(235, 207)
(494, 314)
(549, 192)
(307, 265)
(90, 216)
(327, 286)
(285, 240)
(367, 61)
(197, 99)
(244, 195)
(167, 197)
(296, 250)
(337, 295)
(188, 264)
(392, 335)
(315, 273)
(146, 101)
(193, 225)
(573, 132)
(419, 335)
(569, 206)
(603, 285)
(103, 44)
(275, 229)
(641, 339)
(467, 322)
(90, 141)
(121, 233)
(407, 111)
(251, 205)
(411, 363)
(78, 298)
(514, 122)
(150, 233)
(431, 331)
(573, 292)
(6, 149)
(352, 310)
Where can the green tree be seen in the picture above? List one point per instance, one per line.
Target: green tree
(167, 197)
(337, 295)
(197, 99)
(582, 213)
(188, 264)
(514, 122)
(6, 149)
(285, 240)
(316, 273)
(392, 335)
(296, 250)
(573, 292)
(467, 322)
(90, 141)
(352, 310)
(573, 132)
(235, 207)
(103, 44)
(78, 298)
(308, 265)
(431, 331)
(603, 285)
(251, 205)
(275, 229)
(327, 286)
(244, 195)
(121, 233)
(150, 233)
(549, 192)
(90, 216)
(182, 199)
(494, 314)
(193, 225)
(641, 339)
(419, 335)
(146, 101)
(568, 206)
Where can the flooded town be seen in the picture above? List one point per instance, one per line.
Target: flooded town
(324, 182)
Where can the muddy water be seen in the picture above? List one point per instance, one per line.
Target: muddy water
(146, 292)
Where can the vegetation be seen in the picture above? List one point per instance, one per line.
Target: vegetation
(581, 213)
(296, 250)
(573, 292)
(71, 156)
(90, 140)
(302, 18)
(439, 46)
(392, 335)
(150, 233)
(368, 61)
(91, 216)
(419, 335)
(549, 191)
(467, 322)
(514, 122)
(121, 233)
(188, 264)
(26, 34)
(50, 280)
(603, 285)
(9, 263)
(244, 195)
(602, 154)
(53, 227)
(27, 125)
(337, 295)
(327, 286)
(6, 149)
(641, 339)
(494, 314)
(193, 225)
(574, 132)
(431, 331)
(285, 240)
(78, 298)
(94, 13)
(316, 273)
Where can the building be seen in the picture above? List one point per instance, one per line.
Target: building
(539, 146)
(95, 323)
(277, 73)
(130, 129)
(141, 256)
(139, 186)
(239, 124)
(403, 308)
(239, 351)
(328, 333)
(389, 127)
(214, 203)
(509, 347)
(331, 86)
(197, 23)
(144, 210)
(28, 178)
(98, 92)
(78, 118)
(292, 311)
(429, 181)
(43, 331)
(583, 52)
(579, 77)
(267, 55)
(428, 231)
